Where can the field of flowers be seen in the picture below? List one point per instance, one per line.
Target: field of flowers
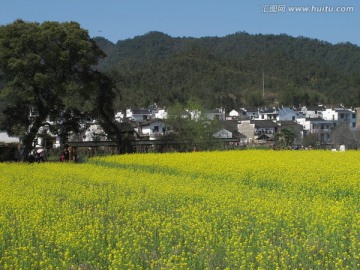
(202, 210)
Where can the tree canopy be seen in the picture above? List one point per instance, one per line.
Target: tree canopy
(191, 128)
(49, 68)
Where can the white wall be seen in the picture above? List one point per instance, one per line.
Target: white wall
(161, 114)
(4, 138)
(247, 129)
(234, 113)
(330, 114)
(149, 129)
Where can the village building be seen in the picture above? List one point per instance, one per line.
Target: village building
(139, 115)
(268, 114)
(152, 112)
(240, 126)
(239, 114)
(313, 111)
(258, 131)
(341, 116)
(252, 113)
(265, 131)
(247, 128)
(229, 130)
(152, 129)
(218, 114)
(317, 126)
(288, 114)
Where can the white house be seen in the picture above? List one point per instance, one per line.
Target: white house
(234, 113)
(268, 114)
(153, 128)
(237, 114)
(342, 115)
(152, 112)
(313, 112)
(139, 115)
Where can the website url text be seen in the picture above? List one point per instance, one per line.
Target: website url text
(306, 9)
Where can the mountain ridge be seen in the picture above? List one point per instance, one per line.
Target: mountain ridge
(228, 71)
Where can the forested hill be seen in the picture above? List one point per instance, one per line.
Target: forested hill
(228, 71)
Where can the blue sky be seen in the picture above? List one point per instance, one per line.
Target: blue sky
(123, 19)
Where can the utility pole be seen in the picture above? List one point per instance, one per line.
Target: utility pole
(263, 84)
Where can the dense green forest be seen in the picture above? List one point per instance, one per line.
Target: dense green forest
(229, 71)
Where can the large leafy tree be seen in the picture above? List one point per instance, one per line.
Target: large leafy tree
(191, 129)
(285, 138)
(49, 68)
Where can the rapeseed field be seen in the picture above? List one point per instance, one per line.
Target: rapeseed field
(251, 209)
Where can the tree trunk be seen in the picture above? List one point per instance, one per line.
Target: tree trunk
(29, 139)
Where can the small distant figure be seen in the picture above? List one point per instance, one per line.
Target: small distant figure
(73, 154)
(66, 153)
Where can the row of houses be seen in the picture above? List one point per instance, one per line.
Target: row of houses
(257, 125)
(243, 125)
(319, 120)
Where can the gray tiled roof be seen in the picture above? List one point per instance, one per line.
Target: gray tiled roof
(264, 123)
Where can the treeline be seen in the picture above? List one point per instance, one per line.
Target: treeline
(229, 71)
